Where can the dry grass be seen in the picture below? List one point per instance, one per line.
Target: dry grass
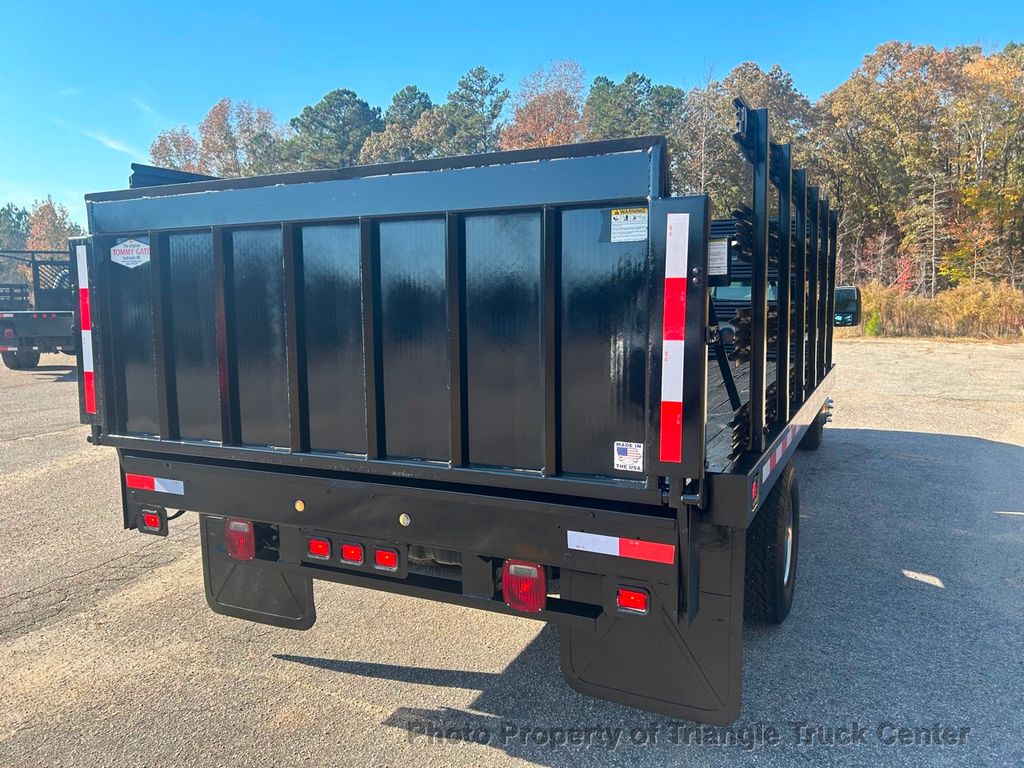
(979, 310)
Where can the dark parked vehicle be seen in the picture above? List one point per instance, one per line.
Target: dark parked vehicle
(847, 312)
(42, 322)
(483, 381)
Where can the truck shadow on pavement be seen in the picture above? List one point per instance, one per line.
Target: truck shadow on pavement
(53, 373)
(909, 612)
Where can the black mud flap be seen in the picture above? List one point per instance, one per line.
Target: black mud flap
(688, 671)
(254, 590)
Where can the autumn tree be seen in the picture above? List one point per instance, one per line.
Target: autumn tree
(178, 148)
(330, 133)
(547, 109)
(234, 139)
(922, 148)
(704, 159)
(50, 226)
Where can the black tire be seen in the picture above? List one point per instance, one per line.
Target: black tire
(769, 588)
(11, 360)
(812, 437)
(27, 360)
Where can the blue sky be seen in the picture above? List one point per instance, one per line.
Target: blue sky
(85, 87)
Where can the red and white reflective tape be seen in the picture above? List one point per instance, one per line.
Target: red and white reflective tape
(5, 314)
(775, 459)
(635, 549)
(17, 349)
(150, 483)
(673, 337)
(85, 319)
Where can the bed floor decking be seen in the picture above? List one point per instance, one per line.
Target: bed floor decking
(718, 437)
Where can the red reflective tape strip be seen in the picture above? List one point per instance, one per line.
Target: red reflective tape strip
(671, 448)
(675, 309)
(89, 387)
(140, 482)
(85, 327)
(673, 336)
(85, 313)
(651, 551)
(635, 549)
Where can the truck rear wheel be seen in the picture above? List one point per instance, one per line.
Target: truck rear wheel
(21, 360)
(772, 546)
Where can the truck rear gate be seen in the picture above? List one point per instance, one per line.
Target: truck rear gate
(37, 320)
(497, 363)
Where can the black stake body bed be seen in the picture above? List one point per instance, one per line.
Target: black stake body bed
(412, 377)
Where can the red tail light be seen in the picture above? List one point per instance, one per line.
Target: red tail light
(385, 559)
(524, 585)
(318, 548)
(630, 600)
(151, 520)
(352, 554)
(8, 333)
(240, 538)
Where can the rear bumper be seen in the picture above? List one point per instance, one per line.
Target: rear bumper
(38, 332)
(484, 529)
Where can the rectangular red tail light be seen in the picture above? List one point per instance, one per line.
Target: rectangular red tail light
(385, 559)
(632, 600)
(152, 520)
(352, 554)
(318, 548)
(240, 538)
(524, 586)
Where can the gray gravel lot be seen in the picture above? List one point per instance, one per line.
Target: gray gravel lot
(909, 611)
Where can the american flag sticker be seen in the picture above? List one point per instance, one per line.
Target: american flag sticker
(629, 457)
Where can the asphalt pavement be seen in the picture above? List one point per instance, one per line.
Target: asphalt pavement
(905, 645)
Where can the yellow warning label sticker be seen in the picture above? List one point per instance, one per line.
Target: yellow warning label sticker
(629, 224)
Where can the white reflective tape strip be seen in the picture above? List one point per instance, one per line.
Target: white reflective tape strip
(766, 471)
(87, 351)
(83, 266)
(593, 542)
(164, 485)
(6, 314)
(778, 453)
(677, 243)
(672, 371)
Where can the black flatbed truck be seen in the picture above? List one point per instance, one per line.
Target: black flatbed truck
(502, 363)
(42, 322)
